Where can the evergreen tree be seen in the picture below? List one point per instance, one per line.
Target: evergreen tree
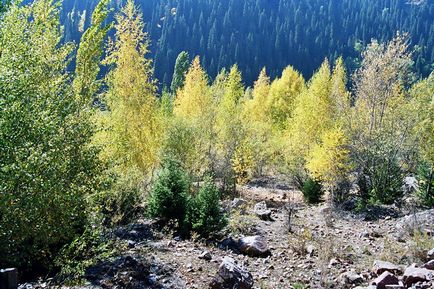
(181, 67)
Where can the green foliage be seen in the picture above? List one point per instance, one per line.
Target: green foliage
(84, 251)
(47, 165)
(204, 214)
(382, 148)
(168, 198)
(89, 55)
(181, 67)
(312, 191)
(425, 177)
(121, 201)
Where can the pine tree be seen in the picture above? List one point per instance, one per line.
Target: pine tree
(181, 67)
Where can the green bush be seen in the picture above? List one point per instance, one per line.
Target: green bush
(86, 250)
(312, 191)
(121, 202)
(168, 199)
(425, 177)
(48, 166)
(381, 183)
(204, 214)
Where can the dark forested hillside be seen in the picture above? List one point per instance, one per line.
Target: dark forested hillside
(272, 33)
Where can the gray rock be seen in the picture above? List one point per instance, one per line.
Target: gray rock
(9, 278)
(262, 211)
(381, 266)
(429, 265)
(205, 256)
(413, 275)
(422, 221)
(386, 278)
(430, 254)
(254, 246)
(232, 276)
(237, 202)
(350, 277)
(131, 244)
(310, 249)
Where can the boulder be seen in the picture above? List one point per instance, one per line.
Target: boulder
(9, 278)
(422, 221)
(232, 276)
(381, 266)
(205, 256)
(386, 278)
(254, 246)
(430, 254)
(429, 265)
(262, 211)
(229, 244)
(237, 202)
(350, 277)
(413, 275)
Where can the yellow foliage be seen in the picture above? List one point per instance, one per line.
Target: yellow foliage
(131, 127)
(328, 161)
(193, 101)
(282, 96)
(243, 163)
(194, 109)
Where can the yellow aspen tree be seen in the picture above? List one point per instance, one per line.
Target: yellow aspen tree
(282, 96)
(228, 123)
(132, 124)
(257, 125)
(194, 110)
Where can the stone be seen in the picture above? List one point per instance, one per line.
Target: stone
(386, 278)
(310, 249)
(205, 256)
(430, 254)
(262, 211)
(237, 202)
(381, 266)
(398, 286)
(413, 275)
(429, 265)
(350, 277)
(131, 244)
(9, 278)
(232, 276)
(422, 221)
(254, 246)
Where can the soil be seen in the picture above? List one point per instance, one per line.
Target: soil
(320, 245)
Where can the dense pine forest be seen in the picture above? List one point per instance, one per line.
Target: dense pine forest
(258, 33)
(284, 133)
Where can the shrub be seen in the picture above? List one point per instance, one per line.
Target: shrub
(381, 183)
(168, 199)
(426, 184)
(86, 250)
(312, 191)
(121, 203)
(204, 214)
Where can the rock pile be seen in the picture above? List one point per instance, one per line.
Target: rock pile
(390, 276)
(232, 276)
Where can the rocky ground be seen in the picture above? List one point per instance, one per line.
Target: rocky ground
(321, 248)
